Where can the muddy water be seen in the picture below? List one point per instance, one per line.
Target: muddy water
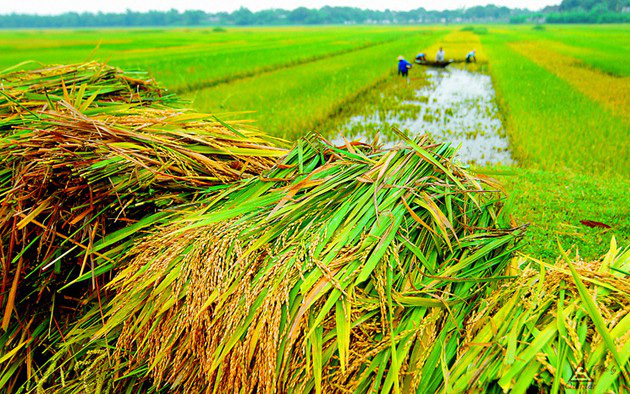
(457, 106)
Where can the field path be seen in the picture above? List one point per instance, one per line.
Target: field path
(612, 92)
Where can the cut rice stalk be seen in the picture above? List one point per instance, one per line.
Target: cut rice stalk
(560, 327)
(309, 278)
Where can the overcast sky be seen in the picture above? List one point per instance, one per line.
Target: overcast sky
(50, 7)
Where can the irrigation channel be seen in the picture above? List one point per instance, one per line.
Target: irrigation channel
(457, 105)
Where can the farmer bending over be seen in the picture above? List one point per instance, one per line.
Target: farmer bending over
(439, 56)
(403, 66)
(471, 57)
(421, 57)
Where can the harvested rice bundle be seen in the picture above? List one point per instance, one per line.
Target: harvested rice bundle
(71, 176)
(82, 85)
(557, 328)
(126, 153)
(85, 176)
(340, 269)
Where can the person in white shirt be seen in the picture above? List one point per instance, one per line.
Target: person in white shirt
(439, 56)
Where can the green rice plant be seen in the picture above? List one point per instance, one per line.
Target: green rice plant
(557, 328)
(342, 268)
(603, 47)
(185, 59)
(317, 90)
(545, 132)
(88, 150)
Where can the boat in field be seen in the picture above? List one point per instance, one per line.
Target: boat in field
(431, 63)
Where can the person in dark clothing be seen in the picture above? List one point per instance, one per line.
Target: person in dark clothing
(471, 57)
(403, 66)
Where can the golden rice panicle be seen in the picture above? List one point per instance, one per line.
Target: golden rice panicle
(91, 157)
(560, 326)
(341, 268)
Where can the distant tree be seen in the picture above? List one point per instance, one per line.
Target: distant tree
(193, 18)
(569, 11)
(594, 5)
(243, 16)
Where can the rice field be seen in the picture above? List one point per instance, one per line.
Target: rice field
(604, 48)
(547, 132)
(315, 90)
(196, 214)
(565, 122)
(186, 59)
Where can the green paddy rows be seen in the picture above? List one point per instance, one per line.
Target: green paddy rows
(291, 101)
(293, 78)
(550, 123)
(603, 47)
(187, 59)
(572, 151)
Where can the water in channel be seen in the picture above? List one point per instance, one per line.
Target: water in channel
(457, 106)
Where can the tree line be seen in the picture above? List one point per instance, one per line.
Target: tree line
(589, 11)
(569, 11)
(244, 17)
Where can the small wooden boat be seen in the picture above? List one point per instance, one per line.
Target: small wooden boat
(430, 63)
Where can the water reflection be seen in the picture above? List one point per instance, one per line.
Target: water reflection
(457, 106)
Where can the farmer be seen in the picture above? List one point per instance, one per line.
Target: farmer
(439, 56)
(421, 57)
(403, 66)
(471, 57)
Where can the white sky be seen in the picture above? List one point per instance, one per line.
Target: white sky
(51, 7)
